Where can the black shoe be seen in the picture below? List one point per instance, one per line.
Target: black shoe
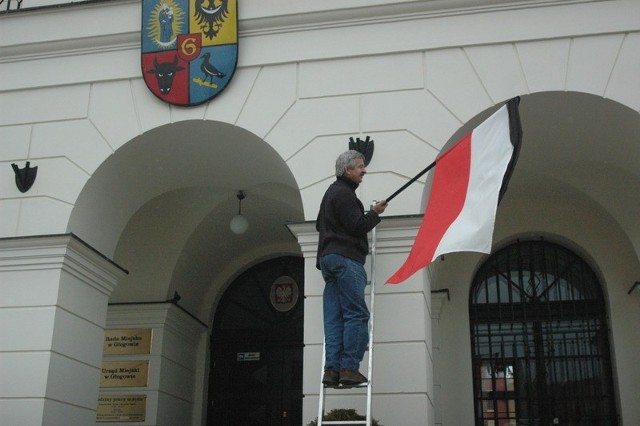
(330, 378)
(351, 377)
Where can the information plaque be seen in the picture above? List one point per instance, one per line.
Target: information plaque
(115, 374)
(127, 341)
(121, 408)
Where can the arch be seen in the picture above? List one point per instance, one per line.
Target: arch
(161, 206)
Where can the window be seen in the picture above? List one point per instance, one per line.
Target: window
(540, 340)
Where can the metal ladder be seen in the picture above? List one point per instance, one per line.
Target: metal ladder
(369, 384)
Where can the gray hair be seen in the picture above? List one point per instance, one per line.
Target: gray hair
(347, 159)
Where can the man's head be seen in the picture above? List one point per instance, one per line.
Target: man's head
(350, 164)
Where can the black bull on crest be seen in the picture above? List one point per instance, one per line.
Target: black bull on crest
(165, 72)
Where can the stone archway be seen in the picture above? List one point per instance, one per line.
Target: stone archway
(161, 205)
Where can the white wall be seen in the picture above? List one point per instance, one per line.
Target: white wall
(410, 82)
(52, 309)
(409, 75)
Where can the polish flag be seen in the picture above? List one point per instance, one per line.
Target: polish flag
(470, 178)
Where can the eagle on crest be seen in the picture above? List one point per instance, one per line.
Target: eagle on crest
(210, 14)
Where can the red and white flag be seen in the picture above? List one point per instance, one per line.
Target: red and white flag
(469, 180)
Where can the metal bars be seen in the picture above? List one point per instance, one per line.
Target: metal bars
(540, 340)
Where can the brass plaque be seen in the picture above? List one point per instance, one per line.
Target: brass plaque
(121, 408)
(127, 341)
(117, 374)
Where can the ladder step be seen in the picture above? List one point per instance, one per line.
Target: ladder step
(339, 387)
(344, 422)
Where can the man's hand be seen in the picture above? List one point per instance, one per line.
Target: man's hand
(380, 206)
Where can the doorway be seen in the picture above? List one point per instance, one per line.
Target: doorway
(257, 347)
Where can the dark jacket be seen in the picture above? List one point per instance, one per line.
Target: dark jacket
(343, 224)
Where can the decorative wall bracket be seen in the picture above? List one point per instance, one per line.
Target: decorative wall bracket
(25, 177)
(364, 147)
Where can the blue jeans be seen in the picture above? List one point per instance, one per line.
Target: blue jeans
(346, 316)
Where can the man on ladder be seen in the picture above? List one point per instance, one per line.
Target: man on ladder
(342, 250)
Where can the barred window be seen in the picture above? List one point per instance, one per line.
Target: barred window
(540, 340)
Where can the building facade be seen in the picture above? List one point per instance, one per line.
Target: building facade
(125, 227)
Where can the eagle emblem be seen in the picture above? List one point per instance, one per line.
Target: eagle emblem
(189, 48)
(284, 293)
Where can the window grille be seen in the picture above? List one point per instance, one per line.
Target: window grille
(540, 340)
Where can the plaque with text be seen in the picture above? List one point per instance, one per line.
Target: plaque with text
(121, 408)
(115, 374)
(127, 341)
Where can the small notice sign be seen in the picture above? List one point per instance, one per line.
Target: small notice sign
(128, 341)
(124, 374)
(121, 408)
(248, 356)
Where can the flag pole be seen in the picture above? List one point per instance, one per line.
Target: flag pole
(513, 116)
(413, 179)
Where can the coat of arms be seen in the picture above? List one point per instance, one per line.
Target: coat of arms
(284, 293)
(189, 48)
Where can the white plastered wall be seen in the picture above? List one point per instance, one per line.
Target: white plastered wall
(410, 84)
(410, 93)
(52, 309)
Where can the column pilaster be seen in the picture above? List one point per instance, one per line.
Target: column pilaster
(54, 291)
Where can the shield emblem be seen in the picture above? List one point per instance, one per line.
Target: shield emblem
(189, 48)
(284, 293)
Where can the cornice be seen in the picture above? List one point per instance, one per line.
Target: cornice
(393, 234)
(159, 315)
(123, 32)
(64, 252)
(392, 11)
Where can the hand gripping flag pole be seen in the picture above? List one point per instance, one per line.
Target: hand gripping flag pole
(468, 183)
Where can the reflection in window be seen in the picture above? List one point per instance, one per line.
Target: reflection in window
(499, 404)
